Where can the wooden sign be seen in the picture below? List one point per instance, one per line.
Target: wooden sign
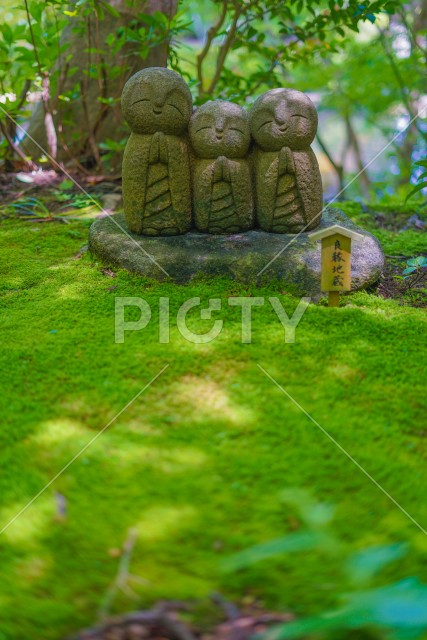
(336, 260)
(336, 263)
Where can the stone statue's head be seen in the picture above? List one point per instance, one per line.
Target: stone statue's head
(220, 128)
(157, 99)
(283, 118)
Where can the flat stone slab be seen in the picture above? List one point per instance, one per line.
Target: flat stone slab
(239, 257)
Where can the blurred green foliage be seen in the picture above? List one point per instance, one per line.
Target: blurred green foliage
(397, 611)
(363, 63)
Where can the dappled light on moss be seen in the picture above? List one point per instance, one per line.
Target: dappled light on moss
(197, 462)
(73, 291)
(168, 461)
(164, 521)
(208, 398)
(342, 371)
(61, 433)
(31, 569)
(31, 526)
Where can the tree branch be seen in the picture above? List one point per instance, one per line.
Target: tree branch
(354, 143)
(91, 137)
(45, 95)
(400, 82)
(23, 95)
(411, 33)
(338, 168)
(224, 49)
(29, 163)
(211, 35)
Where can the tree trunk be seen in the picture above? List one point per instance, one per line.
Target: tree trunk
(85, 122)
(363, 179)
(336, 166)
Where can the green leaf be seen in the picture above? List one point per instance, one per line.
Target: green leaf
(408, 270)
(99, 10)
(36, 10)
(416, 262)
(7, 33)
(365, 564)
(418, 187)
(287, 544)
(400, 607)
(251, 32)
(66, 185)
(111, 10)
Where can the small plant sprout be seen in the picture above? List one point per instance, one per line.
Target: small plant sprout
(415, 272)
(29, 206)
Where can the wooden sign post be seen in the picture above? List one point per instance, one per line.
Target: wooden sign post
(336, 260)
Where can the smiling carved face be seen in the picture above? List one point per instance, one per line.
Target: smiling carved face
(283, 118)
(157, 99)
(220, 128)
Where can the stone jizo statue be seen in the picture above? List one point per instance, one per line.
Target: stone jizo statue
(287, 176)
(217, 187)
(222, 185)
(157, 105)
(219, 169)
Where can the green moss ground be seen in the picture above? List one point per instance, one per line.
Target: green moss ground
(198, 462)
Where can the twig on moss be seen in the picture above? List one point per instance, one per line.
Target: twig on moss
(121, 581)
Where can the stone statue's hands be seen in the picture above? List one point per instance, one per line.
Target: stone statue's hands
(286, 162)
(221, 169)
(158, 137)
(220, 162)
(158, 148)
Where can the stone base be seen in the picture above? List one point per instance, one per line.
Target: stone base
(240, 257)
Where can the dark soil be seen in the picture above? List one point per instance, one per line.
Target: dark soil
(399, 221)
(166, 622)
(392, 285)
